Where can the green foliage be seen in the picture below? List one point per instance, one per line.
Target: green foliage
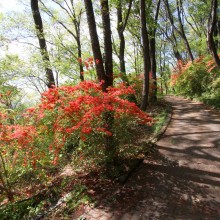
(77, 119)
(15, 211)
(200, 79)
(160, 121)
(194, 81)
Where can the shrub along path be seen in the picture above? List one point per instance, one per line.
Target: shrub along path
(180, 181)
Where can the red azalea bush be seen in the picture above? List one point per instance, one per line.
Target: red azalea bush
(68, 117)
(75, 113)
(198, 79)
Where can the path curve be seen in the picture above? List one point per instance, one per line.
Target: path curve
(179, 182)
(193, 140)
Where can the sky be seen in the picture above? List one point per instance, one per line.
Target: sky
(8, 5)
(15, 48)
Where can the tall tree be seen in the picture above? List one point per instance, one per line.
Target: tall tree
(171, 37)
(179, 30)
(121, 25)
(146, 55)
(104, 72)
(107, 42)
(211, 27)
(95, 43)
(75, 18)
(152, 33)
(42, 42)
(108, 117)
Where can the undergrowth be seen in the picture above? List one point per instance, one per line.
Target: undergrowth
(87, 177)
(199, 80)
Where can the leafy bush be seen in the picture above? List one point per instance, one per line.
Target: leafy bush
(200, 79)
(67, 117)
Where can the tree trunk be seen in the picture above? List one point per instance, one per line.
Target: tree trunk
(180, 31)
(175, 47)
(106, 73)
(211, 26)
(146, 56)
(42, 42)
(95, 43)
(76, 22)
(110, 147)
(177, 54)
(215, 36)
(78, 40)
(77, 37)
(120, 28)
(107, 42)
(153, 97)
(81, 76)
(122, 43)
(172, 39)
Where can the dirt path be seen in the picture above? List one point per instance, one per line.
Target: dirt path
(181, 181)
(193, 139)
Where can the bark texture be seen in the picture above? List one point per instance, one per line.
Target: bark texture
(95, 42)
(211, 27)
(146, 56)
(120, 28)
(153, 30)
(179, 30)
(42, 42)
(107, 42)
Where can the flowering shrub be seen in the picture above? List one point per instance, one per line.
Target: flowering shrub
(76, 112)
(67, 116)
(197, 78)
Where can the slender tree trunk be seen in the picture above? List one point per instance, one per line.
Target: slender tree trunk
(215, 36)
(172, 39)
(211, 26)
(81, 76)
(180, 31)
(77, 37)
(76, 22)
(78, 40)
(161, 67)
(146, 56)
(42, 42)
(120, 28)
(177, 54)
(218, 32)
(110, 147)
(95, 43)
(104, 73)
(175, 47)
(153, 97)
(121, 38)
(107, 42)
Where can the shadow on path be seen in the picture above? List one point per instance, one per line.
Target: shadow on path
(160, 189)
(180, 181)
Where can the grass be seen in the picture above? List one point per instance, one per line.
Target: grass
(161, 120)
(211, 100)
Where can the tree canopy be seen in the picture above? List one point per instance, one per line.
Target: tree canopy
(76, 76)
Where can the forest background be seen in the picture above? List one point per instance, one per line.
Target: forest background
(77, 77)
